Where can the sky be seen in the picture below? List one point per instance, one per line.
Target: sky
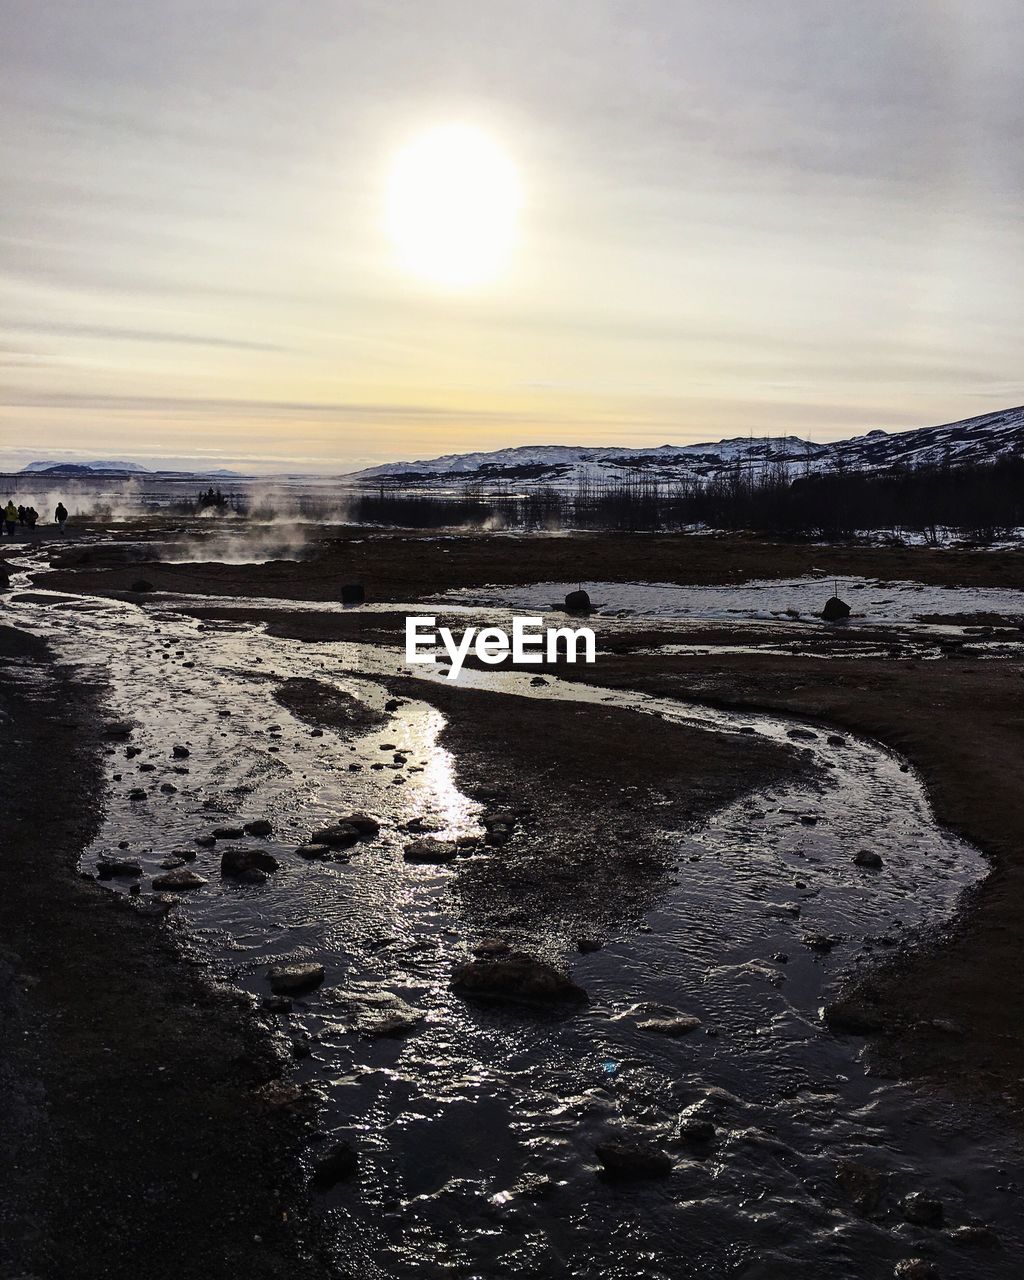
(788, 218)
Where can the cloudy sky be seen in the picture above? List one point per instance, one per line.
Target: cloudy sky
(796, 217)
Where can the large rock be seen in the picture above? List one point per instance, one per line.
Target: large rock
(835, 610)
(515, 977)
(286, 979)
(435, 852)
(108, 867)
(341, 835)
(633, 1158)
(179, 880)
(251, 865)
(375, 1013)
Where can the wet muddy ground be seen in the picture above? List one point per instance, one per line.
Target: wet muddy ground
(708, 877)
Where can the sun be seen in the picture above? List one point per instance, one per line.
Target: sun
(453, 206)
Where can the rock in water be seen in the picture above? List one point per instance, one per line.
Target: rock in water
(250, 865)
(342, 835)
(681, 1025)
(107, 867)
(182, 879)
(922, 1210)
(835, 610)
(577, 602)
(340, 1162)
(367, 827)
(261, 827)
(865, 858)
(633, 1158)
(286, 979)
(435, 852)
(517, 976)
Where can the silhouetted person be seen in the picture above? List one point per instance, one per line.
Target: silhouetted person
(10, 517)
(61, 516)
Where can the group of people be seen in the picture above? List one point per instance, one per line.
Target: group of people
(27, 517)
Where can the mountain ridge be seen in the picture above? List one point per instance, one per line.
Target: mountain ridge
(982, 437)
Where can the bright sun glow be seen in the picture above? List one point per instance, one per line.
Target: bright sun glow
(453, 204)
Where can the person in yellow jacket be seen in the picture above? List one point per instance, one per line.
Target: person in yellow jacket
(10, 517)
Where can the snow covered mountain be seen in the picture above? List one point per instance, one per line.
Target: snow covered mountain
(565, 466)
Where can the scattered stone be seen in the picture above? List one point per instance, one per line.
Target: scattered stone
(250, 865)
(577, 602)
(393, 704)
(147, 768)
(136, 793)
(368, 828)
(922, 1210)
(288, 979)
(260, 827)
(804, 735)
(376, 1013)
(681, 1025)
(118, 729)
(277, 1004)
(436, 852)
(168, 788)
(835, 610)
(516, 976)
(633, 1158)
(106, 868)
(916, 1269)
(179, 880)
(180, 753)
(228, 833)
(865, 858)
(314, 851)
(696, 1130)
(337, 1164)
(861, 1183)
(131, 752)
(339, 836)
(974, 1236)
(205, 842)
(834, 740)
(492, 947)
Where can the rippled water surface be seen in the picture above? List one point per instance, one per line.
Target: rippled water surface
(478, 1129)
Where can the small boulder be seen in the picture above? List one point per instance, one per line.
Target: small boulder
(179, 880)
(228, 833)
(180, 753)
(314, 852)
(106, 868)
(339, 836)
(117, 729)
(578, 602)
(368, 828)
(633, 1158)
(922, 1210)
(289, 979)
(251, 865)
(866, 858)
(835, 610)
(516, 977)
(259, 828)
(435, 852)
(680, 1025)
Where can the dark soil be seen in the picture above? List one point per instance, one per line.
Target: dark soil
(584, 855)
(405, 566)
(140, 1135)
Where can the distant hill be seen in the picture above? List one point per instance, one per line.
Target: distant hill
(565, 466)
(84, 468)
